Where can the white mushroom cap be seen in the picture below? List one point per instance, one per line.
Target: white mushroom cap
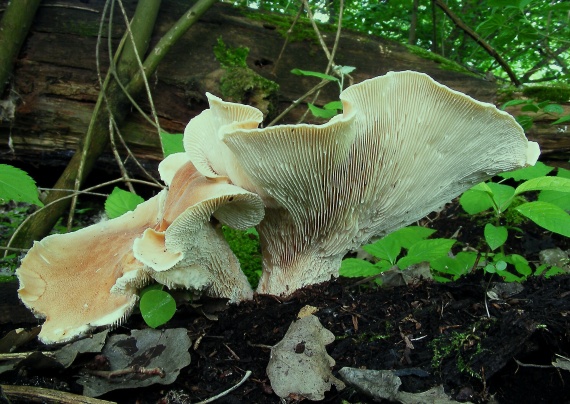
(404, 146)
(87, 278)
(185, 250)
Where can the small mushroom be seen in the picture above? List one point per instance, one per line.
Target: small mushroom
(87, 278)
(185, 249)
(404, 146)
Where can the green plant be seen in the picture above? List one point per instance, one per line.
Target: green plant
(245, 245)
(334, 107)
(16, 185)
(388, 252)
(508, 205)
(156, 305)
(540, 109)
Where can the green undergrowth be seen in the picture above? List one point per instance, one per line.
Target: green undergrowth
(245, 245)
(444, 64)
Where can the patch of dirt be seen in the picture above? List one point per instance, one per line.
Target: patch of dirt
(431, 333)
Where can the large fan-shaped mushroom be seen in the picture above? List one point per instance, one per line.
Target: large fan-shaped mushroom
(403, 147)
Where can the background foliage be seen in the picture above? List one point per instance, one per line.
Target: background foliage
(532, 36)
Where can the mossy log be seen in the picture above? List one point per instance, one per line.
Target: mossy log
(55, 85)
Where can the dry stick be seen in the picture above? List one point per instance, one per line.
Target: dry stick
(122, 168)
(133, 157)
(316, 29)
(73, 193)
(141, 69)
(228, 391)
(289, 32)
(43, 395)
(488, 48)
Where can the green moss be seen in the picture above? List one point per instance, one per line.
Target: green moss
(444, 64)
(303, 29)
(241, 84)
(246, 247)
(559, 93)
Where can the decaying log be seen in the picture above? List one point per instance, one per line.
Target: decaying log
(55, 84)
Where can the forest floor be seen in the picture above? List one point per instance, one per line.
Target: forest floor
(431, 334)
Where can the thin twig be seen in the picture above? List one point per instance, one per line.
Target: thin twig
(75, 193)
(298, 101)
(141, 68)
(317, 32)
(289, 32)
(21, 250)
(242, 381)
(118, 159)
(330, 56)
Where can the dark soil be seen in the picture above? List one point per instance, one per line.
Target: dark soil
(431, 333)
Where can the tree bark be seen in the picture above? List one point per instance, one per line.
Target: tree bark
(14, 28)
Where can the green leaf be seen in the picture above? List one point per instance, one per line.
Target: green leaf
(157, 307)
(333, 105)
(530, 107)
(323, 76)
(322, 113)
(408, 236)
(495, 236)
(553, 109)
(356, 268)
(386, 248)
(512, 103)
(474, 201)
(457, 266)
(560, 199)
(562, 119)
(121, 202)
(525, 121)
(502, 195)
(171, 143)
(16, 185)
(547, 215)
(538, 170)
(520, 263)
(426, 250)
(559, 184)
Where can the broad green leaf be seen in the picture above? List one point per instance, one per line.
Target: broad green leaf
(520, 263)
(512, 103)
(553, 109)
(474, 201)
(386, 248)
(333, 105)
(538, 170)
(157, 307)
(560, 120)
(525, 121)
(530, 107)
(16, 185)
(502, 195)
(408, 236)
(356, 268)
(457, 266)
(547, 215)
(559, 184)
(426, 250)
(121, 202)
(560, 199)
(323, 76)
(171, 143)
(495, 236)
(322, 113)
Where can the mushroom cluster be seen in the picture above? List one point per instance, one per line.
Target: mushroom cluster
(404, 146)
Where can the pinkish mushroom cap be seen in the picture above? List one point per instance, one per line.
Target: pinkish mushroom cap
(404, 146)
